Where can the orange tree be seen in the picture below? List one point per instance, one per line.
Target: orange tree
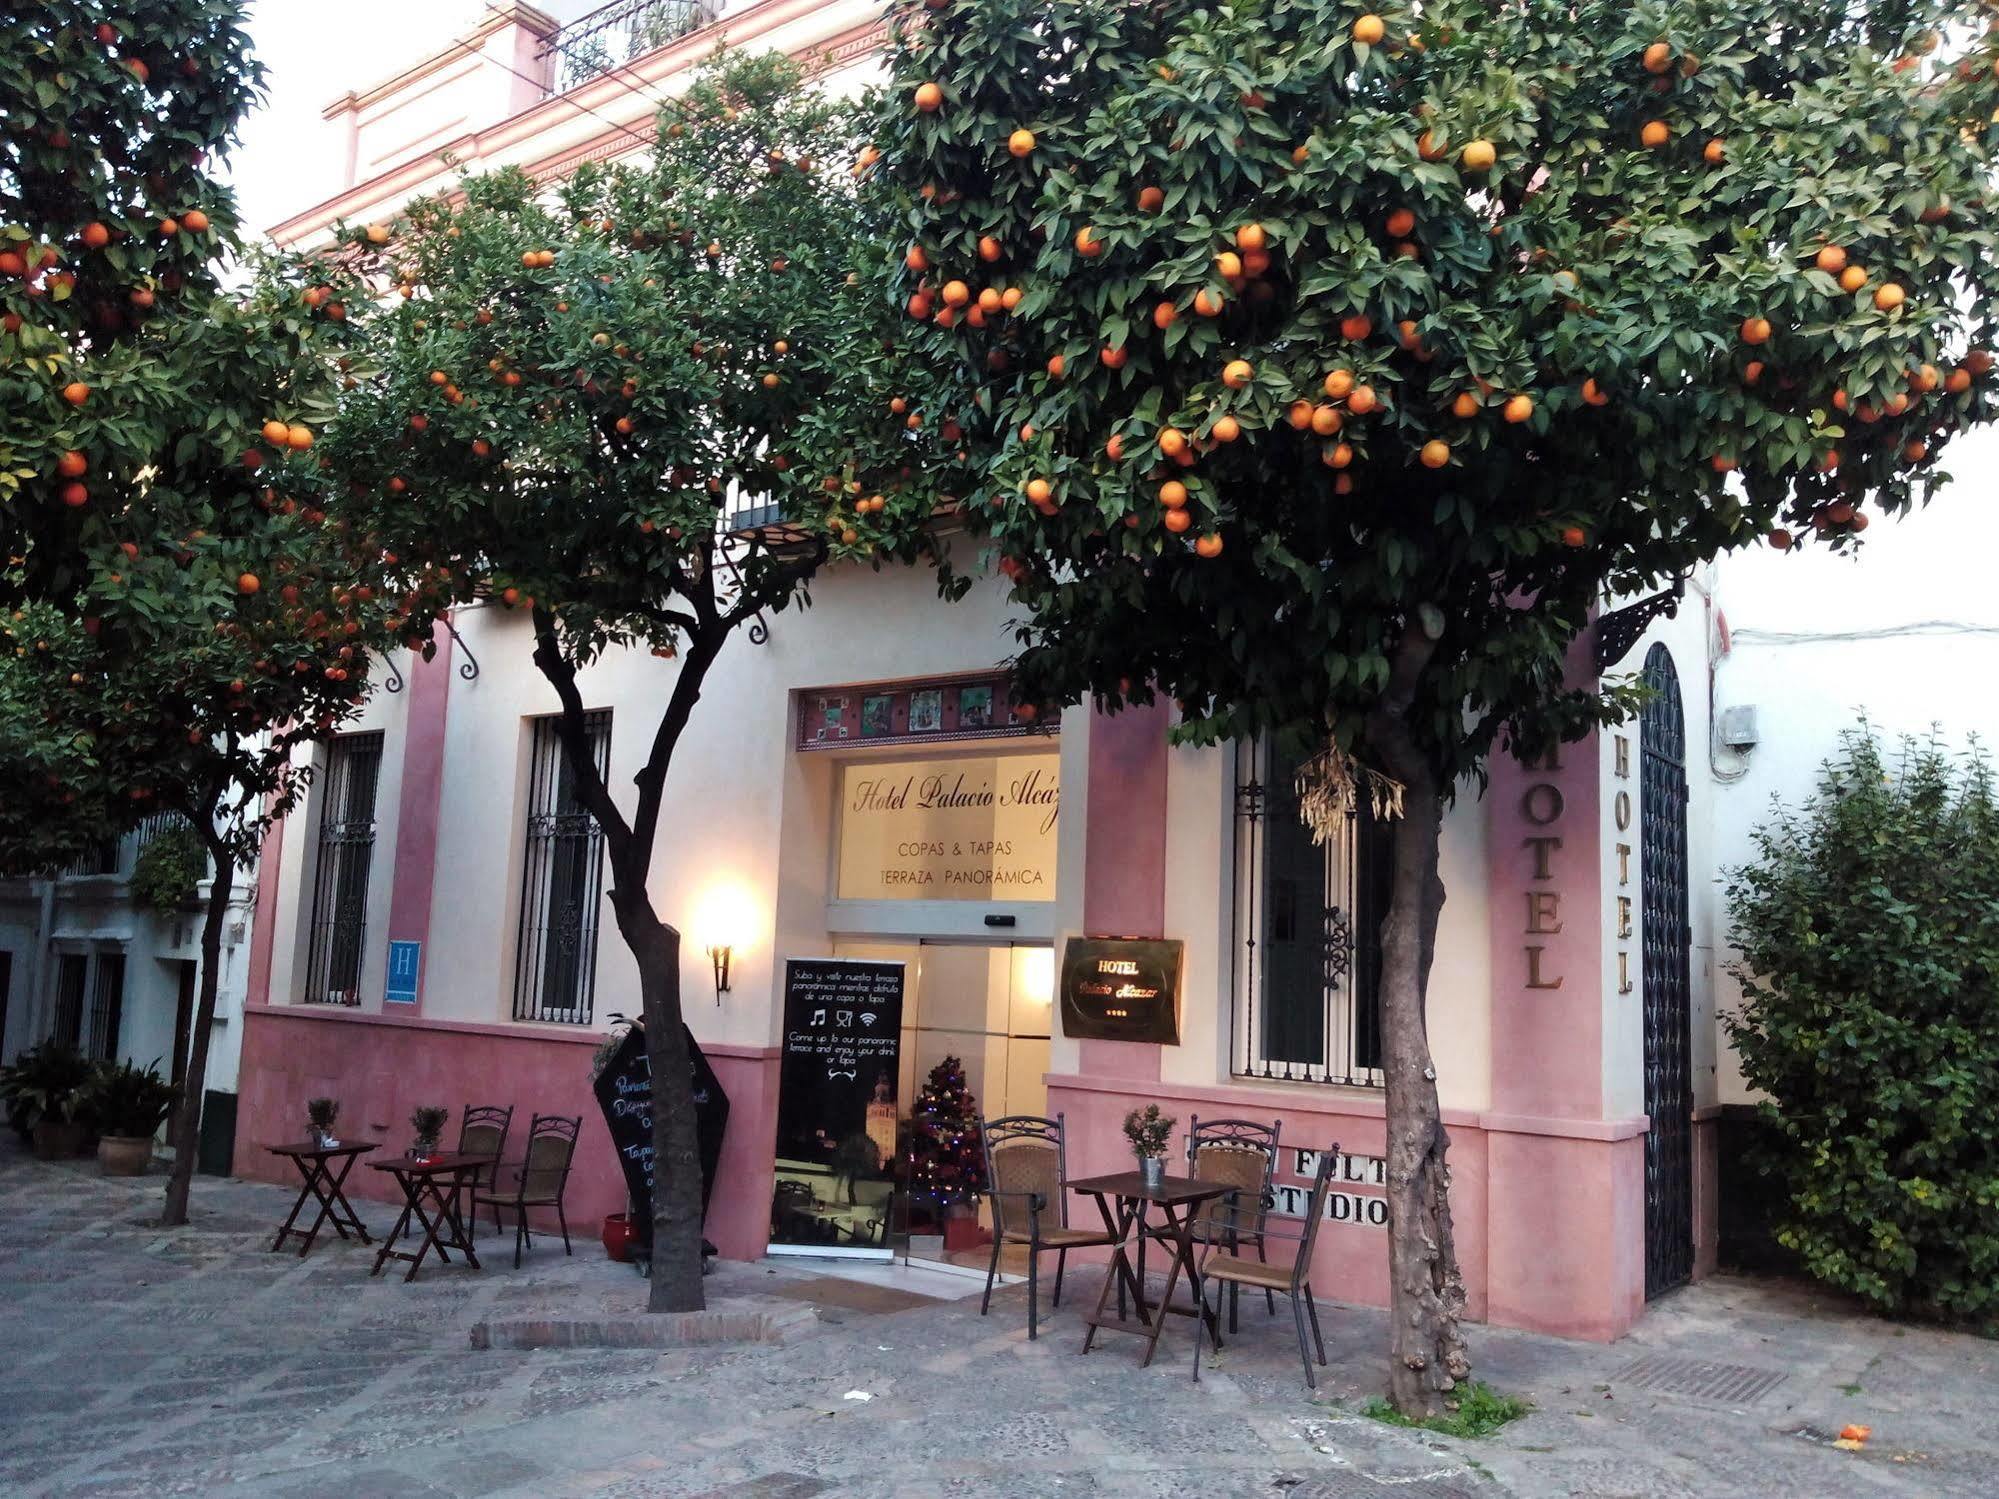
(180, 613)
(1344, 362)
(634, 407)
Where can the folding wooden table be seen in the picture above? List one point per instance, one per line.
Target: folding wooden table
(439, 1181)
(325, 1169)
(1179, 1199)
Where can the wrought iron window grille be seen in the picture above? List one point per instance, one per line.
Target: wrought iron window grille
(562, 882)
(1306, 922)
(346, 849)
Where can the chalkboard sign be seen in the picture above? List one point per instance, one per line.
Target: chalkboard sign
(836, 1104)
(624, 1093)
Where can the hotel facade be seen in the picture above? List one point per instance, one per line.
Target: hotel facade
(431, 925)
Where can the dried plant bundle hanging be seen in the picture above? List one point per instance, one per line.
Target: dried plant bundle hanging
(1330, 785)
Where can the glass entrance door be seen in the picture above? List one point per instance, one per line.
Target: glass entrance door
(987, 1008)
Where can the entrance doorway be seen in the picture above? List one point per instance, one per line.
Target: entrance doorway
(1669, 1196)
(988, 1006)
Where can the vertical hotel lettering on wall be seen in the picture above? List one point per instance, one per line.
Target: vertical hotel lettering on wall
(1620, 811)
(1543, 806)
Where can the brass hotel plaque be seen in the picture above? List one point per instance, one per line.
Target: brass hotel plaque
(1121, 989)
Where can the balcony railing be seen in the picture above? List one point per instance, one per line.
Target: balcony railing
(613, 35)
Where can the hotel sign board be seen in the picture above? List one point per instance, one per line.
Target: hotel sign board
(973, 827)
(1121, 989)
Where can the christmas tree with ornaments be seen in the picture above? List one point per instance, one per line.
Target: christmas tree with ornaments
(946, 1163)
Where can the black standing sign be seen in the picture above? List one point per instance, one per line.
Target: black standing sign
(836, 1098)
(624, 1093)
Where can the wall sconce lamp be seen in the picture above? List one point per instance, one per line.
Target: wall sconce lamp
(724, 921)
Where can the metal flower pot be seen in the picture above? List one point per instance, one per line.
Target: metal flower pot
(1152, 1171)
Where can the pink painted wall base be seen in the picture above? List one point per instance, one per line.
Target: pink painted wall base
(1565, 1235)
(380, 1068)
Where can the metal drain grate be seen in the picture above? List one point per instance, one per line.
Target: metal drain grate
(1723, 1384)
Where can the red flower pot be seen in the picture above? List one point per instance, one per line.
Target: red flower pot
(619, 1236)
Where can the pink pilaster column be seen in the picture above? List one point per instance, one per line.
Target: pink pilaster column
(422, 793)
(264, 928)
(1565, 1224)
(1124, 853)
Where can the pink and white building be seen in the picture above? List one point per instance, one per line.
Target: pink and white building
(1571, 1009)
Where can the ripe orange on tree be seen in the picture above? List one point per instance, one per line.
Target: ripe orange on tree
(1654, 134)
(1369, 30)
(76, 392)
(1436, 453)
(1020, 143)
(929, 97)
(1339, 383)
(1173, 494)
(1401, 223)
(1363, 400)
(1831, 259)
(1479, 156)
(1714, 152)
(1178, 521)
(1853, 278)
(1755, 330)
(1151, 199)
(1226, 429)
(1209, 545)
(1518, 408)
(1237, 373)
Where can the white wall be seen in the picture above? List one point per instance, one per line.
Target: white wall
(1858, 654)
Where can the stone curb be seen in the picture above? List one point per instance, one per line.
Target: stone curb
(659, 1330)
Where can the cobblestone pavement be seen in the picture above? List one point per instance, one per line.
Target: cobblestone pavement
(135, 1361)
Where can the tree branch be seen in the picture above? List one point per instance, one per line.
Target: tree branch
(590, 788)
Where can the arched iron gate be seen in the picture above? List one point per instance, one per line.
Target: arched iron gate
(1669, 1196)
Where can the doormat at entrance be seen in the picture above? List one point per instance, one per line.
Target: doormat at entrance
(848, 1295)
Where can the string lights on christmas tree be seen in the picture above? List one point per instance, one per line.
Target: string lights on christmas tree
(946, 1163)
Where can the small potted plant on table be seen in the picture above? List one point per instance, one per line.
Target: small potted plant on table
(320, 1114)
(128, 1104)
(427, 1124)
(46, 1095)
(1149, 1131)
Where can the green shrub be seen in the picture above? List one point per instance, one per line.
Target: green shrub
(1869, 930)
(169, 868)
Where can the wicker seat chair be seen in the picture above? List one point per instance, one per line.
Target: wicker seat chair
(1026, 1164)
(1242, 1153)
(1220, 1268)
(482, 1130)
(540, 1179)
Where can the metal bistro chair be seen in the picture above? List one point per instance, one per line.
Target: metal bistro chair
(1234, 1270)
(1242, 1153)
(482, 1130)
(543, 1174)
(1026, 1165)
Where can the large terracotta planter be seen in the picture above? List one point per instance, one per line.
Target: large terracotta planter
(59, 1140)
(619, 1235)
(124, 1155)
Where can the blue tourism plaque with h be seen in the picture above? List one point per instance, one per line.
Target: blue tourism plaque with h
(405, 961)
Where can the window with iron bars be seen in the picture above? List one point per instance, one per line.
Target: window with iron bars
(340, 880)
(90, 1003)
(1307, 934)
(562, 881)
